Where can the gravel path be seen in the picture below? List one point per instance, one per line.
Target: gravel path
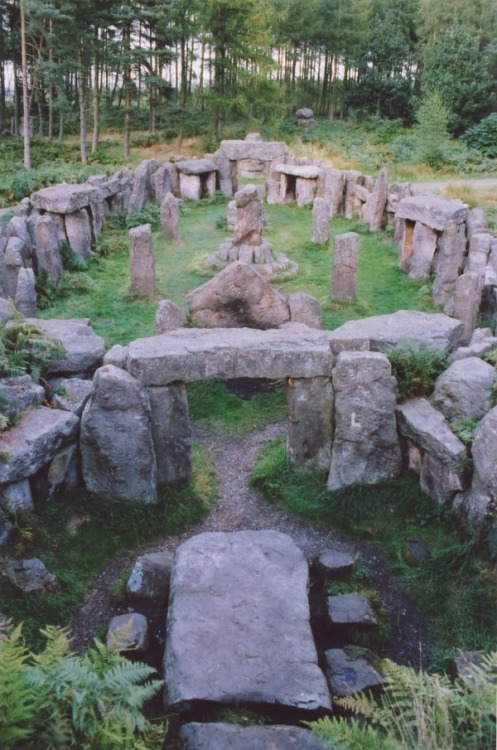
(239, 507)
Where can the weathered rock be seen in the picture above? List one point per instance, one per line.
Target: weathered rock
(331, 184)
(171, 432)
(304, 309)
(482, 341)
(424, 246)
(219, 736)
(448, 262)
(12, 263)
(433, 211)
(162, 182)
(25, 299)
(476, 221)
(83, 349)
(464, 390)
(16, 496)
(465, 303)
(195, 354)
(60, 476)
(143, 187)
(238, 296)
(79, 234)
(190, 186)
(441, 480)
(6, 529)
(142, 261)
(128, 633)
(72, 395)
(352, 178)
(66, 198)
(310, 422)
(149, 579)
(350, 673)
(30, 576)
(465, 664)
(169, 217)
(117, 451)
(478, 253)
(48, 237)
(350, 609)
(334, 564)
(386, 331)
(117, 356)
(169, 317)
(28, 446)
(321, 210)
(419, 421)
(365, 448)
(415, 552)
(21, 392)
(373, 211)
(6, 309)
(236, 150)
(344, 273)
(238, 628)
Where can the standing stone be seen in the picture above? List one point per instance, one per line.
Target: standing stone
(331, 183)
(25, 299)
(464, 390)
(352, 178)
(117, 450)
(424, 245)
(321, 221)
(465, 303)
(162, 182)
(79, 235)
(310, 422)
(238, 625)
(11, 265)
(48, 237)
(143, 189)
(373, 211)
(141, 261)
(249, 216)
(304, 190)
(304, 309)
(171, 432)
(476, 222)
(448, 262)
(169, 317)
(345, 261)
(366, 447)
(169, 217)
(479, 250)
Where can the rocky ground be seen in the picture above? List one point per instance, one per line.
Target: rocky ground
(239, 507)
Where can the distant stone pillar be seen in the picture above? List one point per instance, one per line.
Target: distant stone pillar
(169, 217)
(25, 299)
(141, 261)
(465, 303)
(321, 210)
(310, 422)
(344, 273)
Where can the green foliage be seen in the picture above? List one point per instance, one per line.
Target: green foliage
(419, 711)
(483, 136)
(70, 261)
(416, 366)
(58, 700)
(24, 348)
(465, 429)
(431, 131)
(149, 215)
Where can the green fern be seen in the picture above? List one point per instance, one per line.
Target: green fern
(18, 699)
(24, 348)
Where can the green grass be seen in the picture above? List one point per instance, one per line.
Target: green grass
(456, 588)
(108, 531)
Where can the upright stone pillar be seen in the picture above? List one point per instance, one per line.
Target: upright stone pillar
(448, 262)
(321, 221)
(141, 261)
(169, 217)
(25, 299)
(465, 303)
(171, 432)
(373, 211)
(310, 417)
(344, 273)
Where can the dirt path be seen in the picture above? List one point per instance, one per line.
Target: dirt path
(437, 186)
(239, 507)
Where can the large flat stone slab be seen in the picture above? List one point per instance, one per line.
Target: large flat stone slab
(196, 166)
(432, 210)
(385, 331)
(220, 736)
(196, 354)
(307, 172)
(419, 421)
(263, 150)
(65, 198)
(83, 349)
(238, 628)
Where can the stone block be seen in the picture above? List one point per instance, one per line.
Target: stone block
(79, 233)
(73, 394)
(149, 579)
(142, 261)
(304, 309)
(128, 633)
(345, 262)
(83, 349)
(321, 210)
(219, 736)
(25, 298)
(65, 198)
(350, 610)
(169, 217)
(432, 211)
(465, 303)
(29, 576)
(464, 390)
(348, 673)
(169, 317)
(419, 421)
(171, 432)
(16, 496)
(373, 212)
(310, 422)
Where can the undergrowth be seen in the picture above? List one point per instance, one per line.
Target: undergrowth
(416, 366)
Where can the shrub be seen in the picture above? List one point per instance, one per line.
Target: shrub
(149, 215)
(416, 366)
(483, 136)
(24, 348)
(465, 430)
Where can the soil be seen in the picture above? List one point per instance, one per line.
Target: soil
(239, 507)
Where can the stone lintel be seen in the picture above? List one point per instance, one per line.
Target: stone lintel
(196, 166)
(65, 198)
(432, 210)
(308, 172)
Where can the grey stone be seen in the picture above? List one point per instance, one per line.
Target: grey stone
(373, 212)
(169, 217)
(478, 253)
(350, 609)
(365, 448)
(415, 552)
(440, 479)
(62, 474)
(83, 349)
(142, 261)
(349, 673)
(345, 262)
(236, 150)
(143, 187)
(331, 184)
(465, 303)
(195, 354)
(196, 166)
(40, 434)
(25, 299)
(231, 216)
(352, 178)
(6, 529)
(424, 246)
(117, 355)
(117, 451)
(386, 331)
(305, 171)
(305, 190)
(219, 736)
(476, 221)
(128, 633)
(149, 579)
(310, 422)
(16, 496)
(238, 626)
(190, 186)
(21, 392)
(65, 198)
(238, 296)
(433, 211)
(249, 220)
(79, 234)
(304, 113)
(227, 175)
(304, 309)
(465, 664)
(334, 564)
(419, 421)
(7, 310)
(169, 317)
(48, 237)
(30, 576)
(75, 393)
(482, 341)
(321, 210)
(171, 432)
(12, 263)
(162, 183)
(448, 262)
(464, 390)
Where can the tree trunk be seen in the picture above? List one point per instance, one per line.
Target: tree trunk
(83, 126)
(25, 91)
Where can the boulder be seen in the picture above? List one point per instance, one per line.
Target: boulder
(128, 633)
(478, 253)
(117, 450)
(21, 391)
(65, 198)
(304, 309)
(350, 610)
(83, 349)
(169, 317)
(448, 262)
(419, 421)
(365, 448)
(79, 233)
(171, 432)
(72, 395)
(237, 297)
(350, 673)
(464, 390)
(29, 576)
(465, 303)
(334, 564)
(219, 736)
(16, 496)
(238, 625)
(482, 341)
(149, 579)
(476, 221)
